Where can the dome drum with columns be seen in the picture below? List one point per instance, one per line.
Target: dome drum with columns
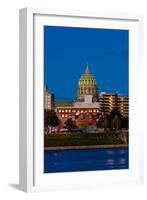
(87, 86)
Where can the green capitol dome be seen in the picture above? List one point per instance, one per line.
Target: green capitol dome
(87, 85)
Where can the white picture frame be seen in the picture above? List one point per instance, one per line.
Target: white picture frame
(31, 101)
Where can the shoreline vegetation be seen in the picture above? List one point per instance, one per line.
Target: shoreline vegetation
(88, 147)
(66, 141)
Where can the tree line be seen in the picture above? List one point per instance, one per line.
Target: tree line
(114, 120)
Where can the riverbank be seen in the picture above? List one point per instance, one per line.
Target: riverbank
(85, 147)
(83, 140)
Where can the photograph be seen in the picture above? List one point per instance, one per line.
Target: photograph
(86, 99)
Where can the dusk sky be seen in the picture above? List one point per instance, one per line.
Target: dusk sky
(67, 51)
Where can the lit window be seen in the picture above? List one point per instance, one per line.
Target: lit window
(63, 111)
(69, 110)
(66, 111)
(59, 111)
(62, 115)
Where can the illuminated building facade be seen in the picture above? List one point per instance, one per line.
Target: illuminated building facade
(65, 110)
(123, 105)
(87, 85)
(87, 98)
(110, 101)
(49, 100)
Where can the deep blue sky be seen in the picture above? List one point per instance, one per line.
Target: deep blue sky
(67, 50)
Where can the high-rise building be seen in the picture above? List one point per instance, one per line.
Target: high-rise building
(87, 85)
(110, 101)
(123, 105)
(49, 100)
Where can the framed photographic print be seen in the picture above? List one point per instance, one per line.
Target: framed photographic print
(80, 99)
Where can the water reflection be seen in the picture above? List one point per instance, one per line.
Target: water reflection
(110, 152)
(122, 161)
(122, 151)
(85, 160)
(110, 162)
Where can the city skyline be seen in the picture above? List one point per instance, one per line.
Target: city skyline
(67, 51)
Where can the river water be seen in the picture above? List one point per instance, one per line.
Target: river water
(85, 160)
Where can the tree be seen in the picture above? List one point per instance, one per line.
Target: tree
(91, 119)
(116, 123)
(50, 118)
(114, 112)
(69, 124)
(103, 123)
(81, 121)
(125, 122)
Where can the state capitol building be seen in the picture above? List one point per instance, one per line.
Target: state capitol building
(88, 100)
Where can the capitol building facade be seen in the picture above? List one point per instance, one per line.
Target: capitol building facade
(87, 85)
(88, 100)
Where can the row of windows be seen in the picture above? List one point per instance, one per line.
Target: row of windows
(78, 111)
(108, 97)
(114, 103)
(113, 99)
(64, 115)
(66, 111)
(87, 81)
(87, 88)
(109, 107)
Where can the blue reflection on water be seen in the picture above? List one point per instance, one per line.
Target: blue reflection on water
(85, 160)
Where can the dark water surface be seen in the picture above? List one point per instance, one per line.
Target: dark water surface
(85, 160)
